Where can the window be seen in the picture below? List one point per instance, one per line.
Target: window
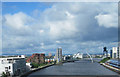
(6, 68)
(114, 55)
(9, 67)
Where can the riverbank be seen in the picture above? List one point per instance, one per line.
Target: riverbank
(106, 62)
(111, 68)
(35, 69)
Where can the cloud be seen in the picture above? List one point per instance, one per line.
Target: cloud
(42, 45)
(63, 29)
(17, 21)
(62, 25)
(31, 45)
(41, 31)
(107, 20)
(57, 41)
(36, 13)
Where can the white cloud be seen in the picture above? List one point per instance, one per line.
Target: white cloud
(18, 20)
(62, 29)
(107, 20)
(58, 42)
(69, 15)
(31, 45)
(41, 31)
(42, 45)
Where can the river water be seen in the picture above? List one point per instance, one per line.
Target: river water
(82, 67)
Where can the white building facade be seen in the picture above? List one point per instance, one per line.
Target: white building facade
(115, 52)
(13, 65)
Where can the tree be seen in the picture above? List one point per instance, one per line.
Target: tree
(4, 74)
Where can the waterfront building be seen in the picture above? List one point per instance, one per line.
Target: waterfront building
(67, 57)
(50, 54)
(110, 53)
(115, 52)
(36, 58)
(119, 52)
(28, 66)
(59, 55)
(49, 60)
(78, 55)
(13, 65)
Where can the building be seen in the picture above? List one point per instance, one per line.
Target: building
(28, 66)
(67, 57)
(115, 52)
(36, 58)
(49, 60)
(78, 55)
(110, 53)
(59, 55)
(118, 52)
(50, 54)
(13, 65)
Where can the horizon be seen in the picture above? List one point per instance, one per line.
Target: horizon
(53, 54)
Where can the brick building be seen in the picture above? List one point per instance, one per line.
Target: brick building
(36, 58)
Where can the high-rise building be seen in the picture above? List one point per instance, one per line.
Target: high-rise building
(111, 53)
(59, 55)
(115, 52)
(118, 52)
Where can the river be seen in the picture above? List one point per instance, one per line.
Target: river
(82, 67)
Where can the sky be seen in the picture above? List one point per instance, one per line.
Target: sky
(42, 27)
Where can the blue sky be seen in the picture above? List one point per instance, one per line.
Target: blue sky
(39, 27)
(26, 7)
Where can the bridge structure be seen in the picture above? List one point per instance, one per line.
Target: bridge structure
(90, 56)
(80, 55)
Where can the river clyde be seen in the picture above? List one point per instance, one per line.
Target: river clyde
(82, 67)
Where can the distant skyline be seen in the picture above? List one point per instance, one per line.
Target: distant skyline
(42, 27)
